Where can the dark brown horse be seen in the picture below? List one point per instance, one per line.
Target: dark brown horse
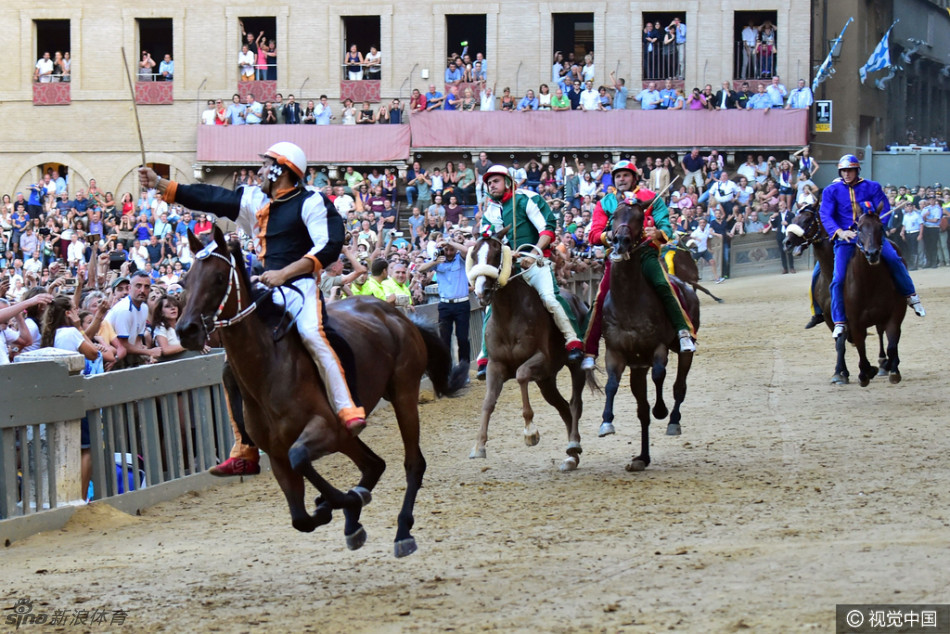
(638, 333)
(524, 344)
(806, 229)
(286, 410)
(684, 267)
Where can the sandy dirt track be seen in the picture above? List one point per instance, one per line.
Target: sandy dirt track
(784, 496)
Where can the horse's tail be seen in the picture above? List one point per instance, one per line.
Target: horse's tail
(445, 379)
(591, 380)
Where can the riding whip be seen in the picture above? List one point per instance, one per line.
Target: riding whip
(135, 109)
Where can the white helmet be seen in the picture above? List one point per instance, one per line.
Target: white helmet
(288, 155)
(498, 169)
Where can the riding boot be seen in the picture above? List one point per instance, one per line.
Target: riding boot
(814, 321)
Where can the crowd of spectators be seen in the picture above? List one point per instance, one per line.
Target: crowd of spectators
(89, 244)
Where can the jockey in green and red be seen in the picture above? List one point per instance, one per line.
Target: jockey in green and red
(656, 226)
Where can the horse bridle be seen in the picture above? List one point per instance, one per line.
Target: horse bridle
(811, 232)
(617, 235)
(210, 324)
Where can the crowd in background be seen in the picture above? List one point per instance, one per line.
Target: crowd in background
(90, 242)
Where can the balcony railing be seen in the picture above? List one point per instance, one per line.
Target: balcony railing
(754, 62)
(665, 62)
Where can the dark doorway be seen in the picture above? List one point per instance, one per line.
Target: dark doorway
(364, 31)
(754, 60)
(155, 36)
(51, 36)
(255, 27)
(573, 33)
(465, 32)
(664, 61)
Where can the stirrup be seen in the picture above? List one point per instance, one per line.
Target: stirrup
(914, 302)
(686, 342)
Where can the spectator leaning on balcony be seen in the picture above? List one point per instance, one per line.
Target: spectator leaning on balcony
(353, 60)
(255, 111)
(146, 66)
(453, 76)
(528, 102)
(434, 98)
(667, 96)
(649, 97)
(760, 100)
(589, 98)
(680, 30)
(323, 113)
(725, 99)
(43, 70)
(486, 97)
(292, 112)
(372, 64)
(166, 69)
(237, 111)
(743, 96)
(776, 92)
(800, 97)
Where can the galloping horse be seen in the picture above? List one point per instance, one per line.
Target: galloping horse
(285, 404)
(806, 229)
(523, 344)
(684, 267)
(638, 334)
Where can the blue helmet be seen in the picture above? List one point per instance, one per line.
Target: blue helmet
(849, 161)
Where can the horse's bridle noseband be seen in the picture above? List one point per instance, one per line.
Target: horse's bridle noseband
(811, 232)
(210, 324)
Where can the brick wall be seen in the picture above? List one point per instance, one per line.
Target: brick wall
(96, 133)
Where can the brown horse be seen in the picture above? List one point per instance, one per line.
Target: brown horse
(522, 343)
(286, 410)
(684, 267)
(804, 230)
(638, 333)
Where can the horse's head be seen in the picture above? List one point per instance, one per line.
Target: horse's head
(210, 283)
(488, 265)
(627, 229)
(804, 230)
(870, 236)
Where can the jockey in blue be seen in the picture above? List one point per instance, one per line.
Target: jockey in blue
(841, 204)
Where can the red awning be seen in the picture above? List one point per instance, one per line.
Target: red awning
(323, 144)
(613, 130)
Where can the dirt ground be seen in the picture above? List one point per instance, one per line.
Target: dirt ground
(784, 496)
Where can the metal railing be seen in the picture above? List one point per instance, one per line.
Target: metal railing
(665, 61)
(158, 423)
(754, 62)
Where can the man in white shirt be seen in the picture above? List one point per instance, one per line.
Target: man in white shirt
(129, 318)
(801, 97)
(139, 254)
(486, 97)
(750, 35)
(33, 265)
(518, 174)
(724, 192)
(246, 64)
(700, 236)
(75, 252)
(208, 115)
(747, 169)
(776, 92)
(43, 71)
(589, 97)
(159, 207)
(343, 202)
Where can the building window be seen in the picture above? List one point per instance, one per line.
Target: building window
(663, 42)
(755, 44)
(155, 61)
(465, 37)
(573, 36)
(52, 51)
(361, 57)
(260, 37)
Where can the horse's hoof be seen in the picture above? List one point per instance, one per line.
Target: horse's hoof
(673, 429)
(574, 449)
(839, 379)
(357, 539)
(881, 370)
(532, 438)
(636, 465)
(719, 300)
(363, 493)
(606, 429)
(405, 547)
(864, 380)
(478, 453)
(568, 464)
(660, 412)
(895, 377)
(304, 525)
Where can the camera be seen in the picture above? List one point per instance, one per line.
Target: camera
(44, 231)
(93, 238)
(438, 253)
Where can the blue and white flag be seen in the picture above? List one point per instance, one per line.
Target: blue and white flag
(827, 68)
(880, 58)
